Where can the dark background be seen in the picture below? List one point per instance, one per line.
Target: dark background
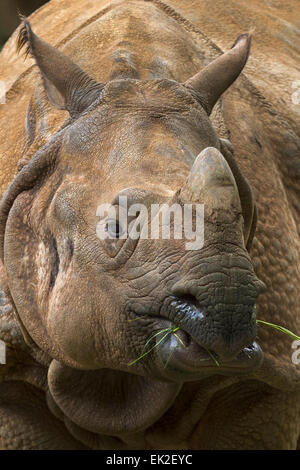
(9, 19)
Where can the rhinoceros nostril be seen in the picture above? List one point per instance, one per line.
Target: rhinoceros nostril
(183, 309)
(190, 299)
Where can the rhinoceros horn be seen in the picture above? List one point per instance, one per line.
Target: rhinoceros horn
(211, 182)
(67, 86)
(216, 77)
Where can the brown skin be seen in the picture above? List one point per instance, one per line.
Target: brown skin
(63, 281)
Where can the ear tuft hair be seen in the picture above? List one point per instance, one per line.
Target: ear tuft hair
(67, 86)
(24, 38)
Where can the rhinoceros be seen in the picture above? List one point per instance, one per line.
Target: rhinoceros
(124, 342)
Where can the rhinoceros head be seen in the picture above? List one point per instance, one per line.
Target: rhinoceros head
(136, 315)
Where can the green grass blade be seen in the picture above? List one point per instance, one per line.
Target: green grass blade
(173, 350)
(179, 339)
(151, 349)
(169, 330)
(212, 356)
(170, 355)
(279, 328)
(154, 336)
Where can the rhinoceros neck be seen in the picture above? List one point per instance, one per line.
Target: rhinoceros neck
(136, 39)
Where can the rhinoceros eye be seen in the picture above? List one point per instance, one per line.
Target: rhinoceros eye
(114, 234)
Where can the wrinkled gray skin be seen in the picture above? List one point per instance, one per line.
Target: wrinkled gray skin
(87, 307)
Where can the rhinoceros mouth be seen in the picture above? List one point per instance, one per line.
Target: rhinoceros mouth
(174, 355)
(183, 359)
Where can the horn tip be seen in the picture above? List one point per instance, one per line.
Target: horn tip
(246, 39)
(244, 36)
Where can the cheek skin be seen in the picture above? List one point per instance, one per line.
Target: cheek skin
(82, 321)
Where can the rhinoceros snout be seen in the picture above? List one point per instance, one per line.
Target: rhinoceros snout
(224, 329)
(214, 302)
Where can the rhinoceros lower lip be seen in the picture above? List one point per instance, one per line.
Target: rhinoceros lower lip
(183, 358)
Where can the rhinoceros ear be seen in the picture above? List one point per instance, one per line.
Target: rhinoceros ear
(216, 77)
(67, 86)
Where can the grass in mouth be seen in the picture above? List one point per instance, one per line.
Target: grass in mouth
(279, 328)
(212, 356)
(167, 331)
(172, 330)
